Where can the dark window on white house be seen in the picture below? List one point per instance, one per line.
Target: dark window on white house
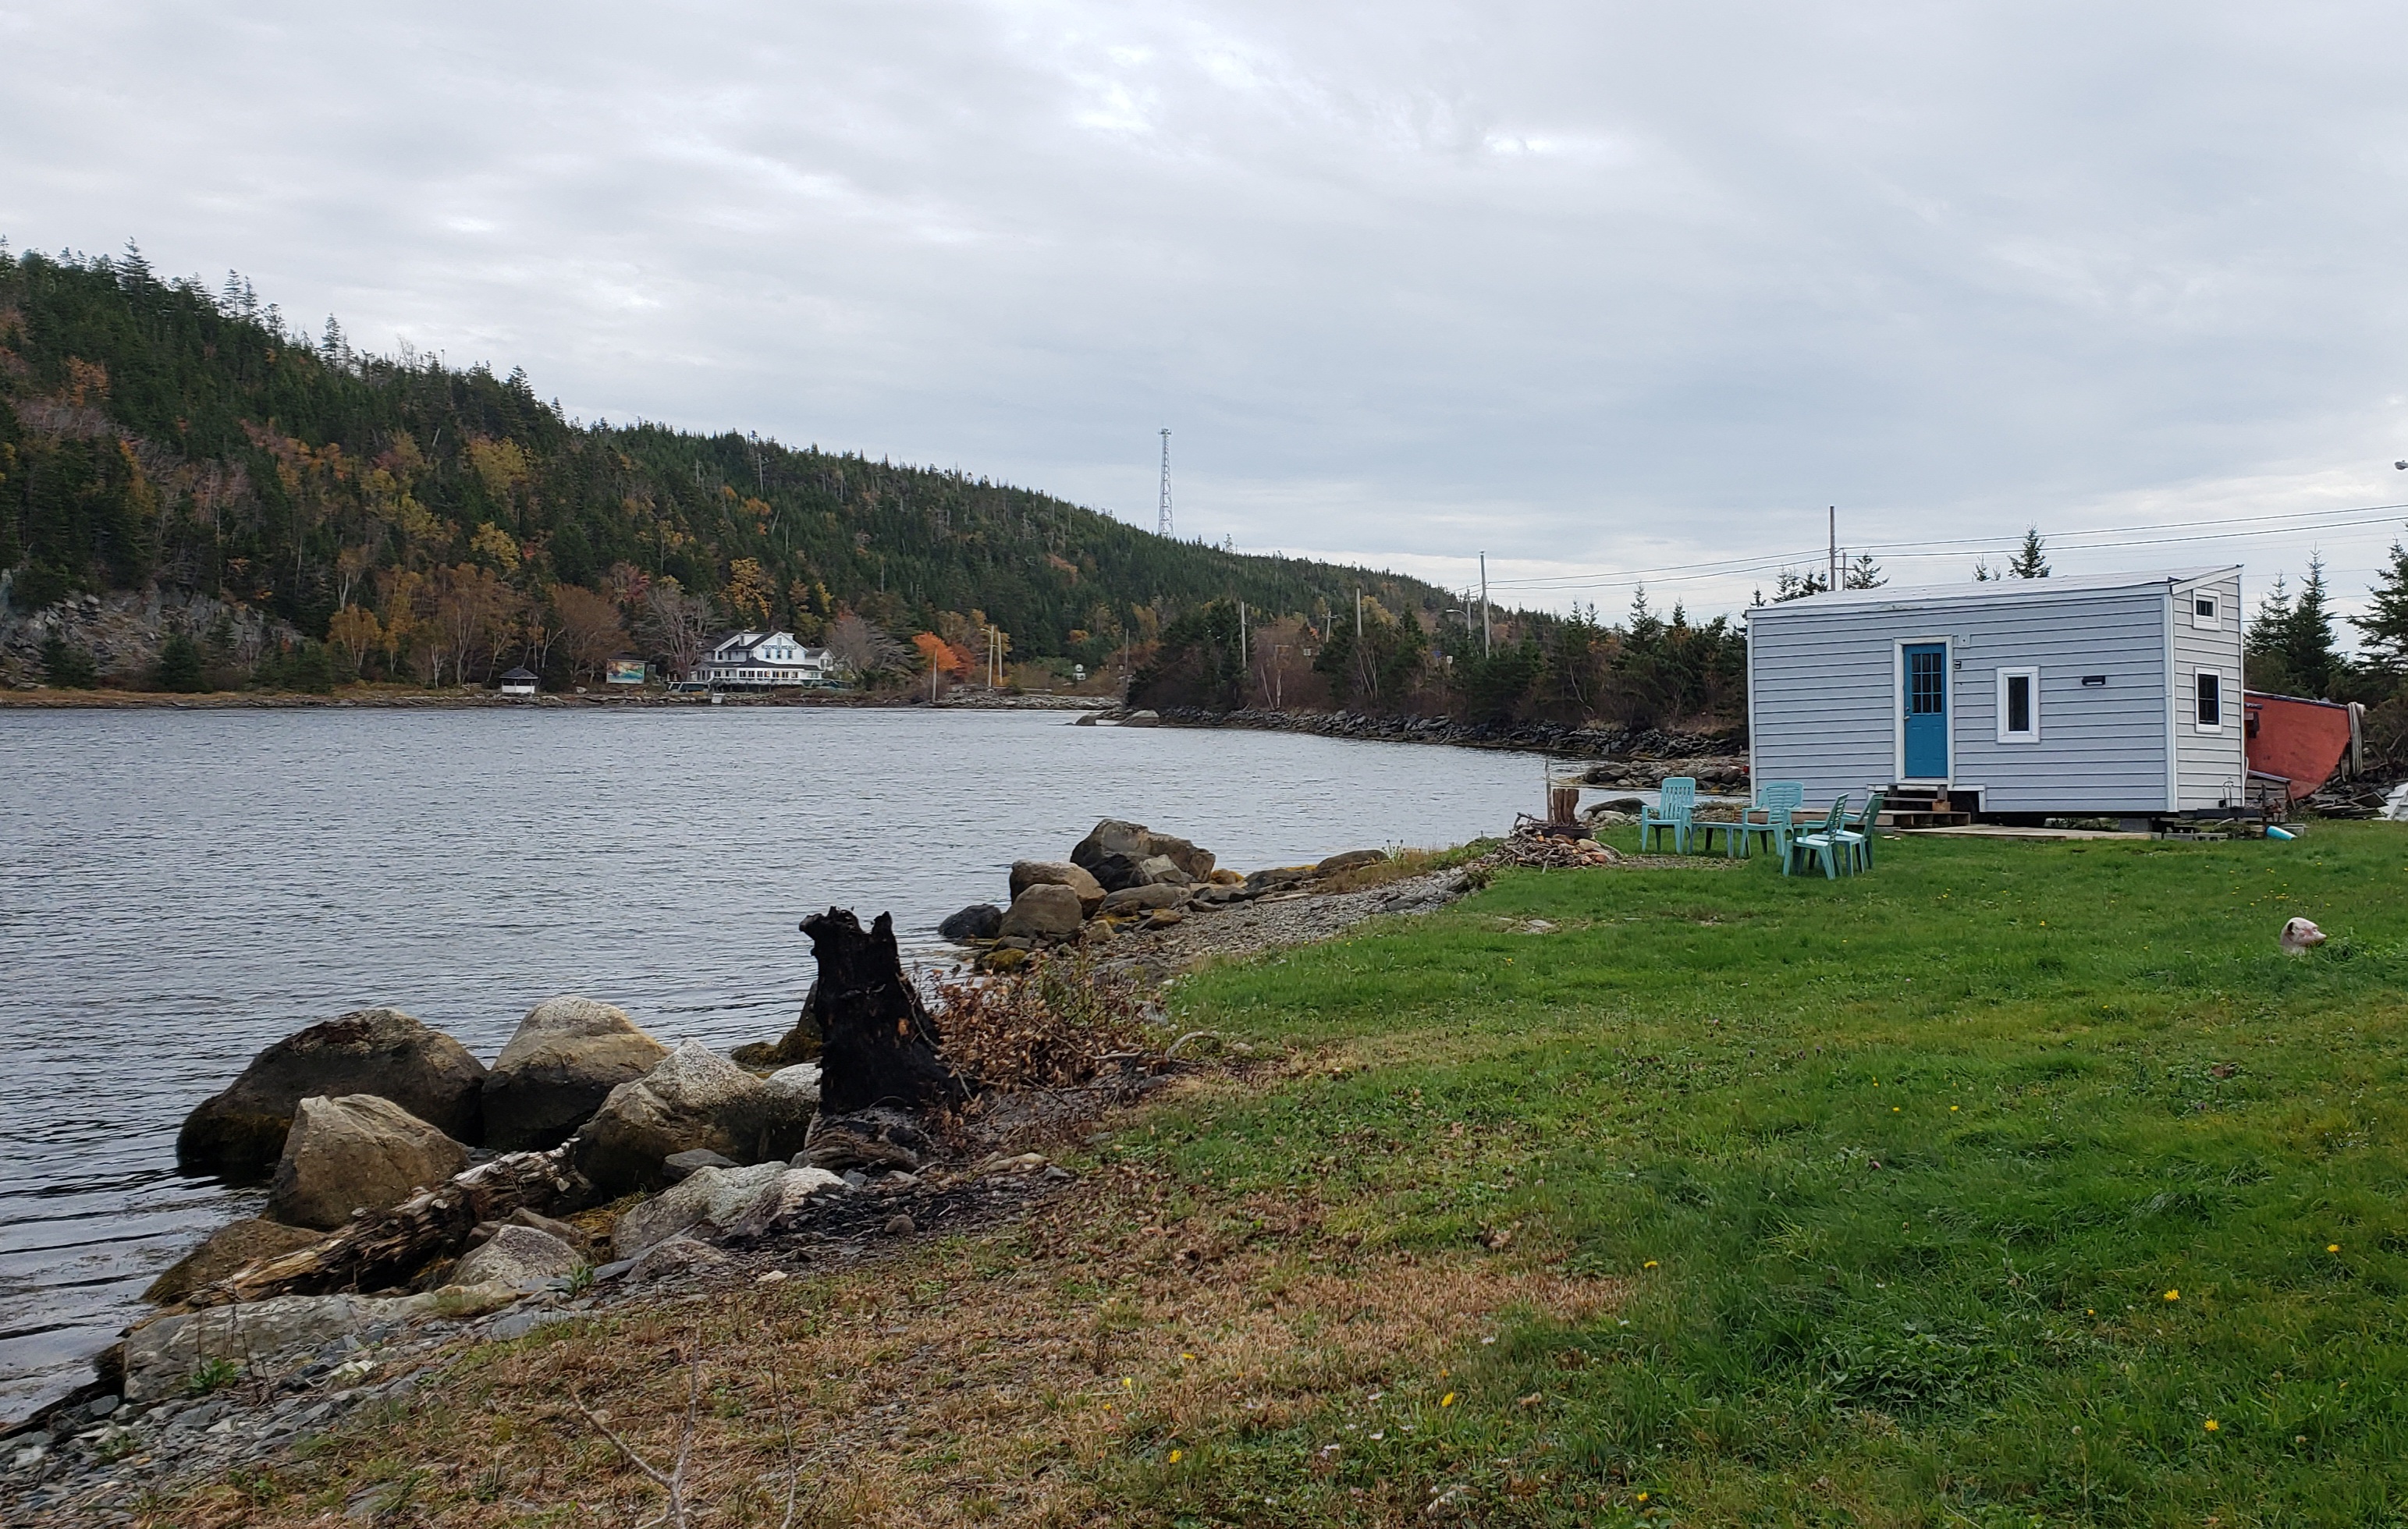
(2019, 706)
(2211, 698)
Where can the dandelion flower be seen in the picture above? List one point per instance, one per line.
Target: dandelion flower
(2211, 1426)
(1892, 1109)
(2333, 1247)
(1951, 1109)
(1649, 1265)
(1130, 1383)
(2174, 1295)
(1642, 1497)
(1176, 1455)
(1447, 1400)
(1186, 1356)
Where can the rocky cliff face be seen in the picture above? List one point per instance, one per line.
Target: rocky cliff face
(123, 630)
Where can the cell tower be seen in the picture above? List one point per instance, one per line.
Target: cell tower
(1162, 521)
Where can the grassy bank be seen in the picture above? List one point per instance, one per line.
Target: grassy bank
(2011, 1182)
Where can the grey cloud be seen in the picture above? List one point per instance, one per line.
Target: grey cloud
(1608, 286)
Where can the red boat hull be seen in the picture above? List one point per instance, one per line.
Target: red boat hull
(2300, 739)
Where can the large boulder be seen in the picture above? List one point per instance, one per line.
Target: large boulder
(354, 1151)
(228, 1249)
(1351, 860)
(693, 1098)
(1057, 873)
(521, 1257)
(1193, 862)
(1141, 899)
(980, 921)
(240, 1133)
(712, 1195)
(1118, 853)
(1110, 852)
(1044, 912)
(567, 1055)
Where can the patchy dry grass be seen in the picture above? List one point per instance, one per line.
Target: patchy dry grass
(1030, 1379)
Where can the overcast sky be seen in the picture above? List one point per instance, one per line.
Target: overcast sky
(1603, 289)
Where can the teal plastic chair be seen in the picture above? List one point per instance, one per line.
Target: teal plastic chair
(1675, 803)
(1857, 828)
(1823, 846)
(1777, 800)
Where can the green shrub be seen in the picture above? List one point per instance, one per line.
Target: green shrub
(66, 664)
(179, 667)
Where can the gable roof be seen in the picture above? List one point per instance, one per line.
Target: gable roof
(1995, 591)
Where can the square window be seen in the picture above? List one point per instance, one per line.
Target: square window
(2202, 610)
(2210, 693)
(2019, 706)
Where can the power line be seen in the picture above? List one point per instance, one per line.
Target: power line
(1680, 573)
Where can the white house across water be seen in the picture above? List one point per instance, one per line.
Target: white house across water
(2108, 694)
(764, 659)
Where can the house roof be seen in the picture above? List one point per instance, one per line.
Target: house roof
(1996, 591)
(520, 673)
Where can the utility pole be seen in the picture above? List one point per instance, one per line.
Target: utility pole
(1833, 587)
(1484, 605)
(1162, 520)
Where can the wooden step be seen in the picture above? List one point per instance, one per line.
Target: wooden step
(1911, 819)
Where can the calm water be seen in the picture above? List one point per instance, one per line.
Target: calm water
(178, 889)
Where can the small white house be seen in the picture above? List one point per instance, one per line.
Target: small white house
(518, 682)
(2106, 694)
(764, 659)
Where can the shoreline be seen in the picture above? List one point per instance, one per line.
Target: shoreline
(43, 699)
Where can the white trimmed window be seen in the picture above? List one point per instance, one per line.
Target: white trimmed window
(2207, 701)
(2018, 706)
(2204, 610)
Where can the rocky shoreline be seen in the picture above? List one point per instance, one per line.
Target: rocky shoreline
(607, 1172)
(40, 697)
(1647, 753)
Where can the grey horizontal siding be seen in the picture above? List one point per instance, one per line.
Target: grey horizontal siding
(2211, 769)
(1824, 699)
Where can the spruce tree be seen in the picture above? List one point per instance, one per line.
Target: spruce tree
(2029, 563)
(2265, 646)
(1863, 573)
(180, 665)
(2385, 622)
(2309, 650)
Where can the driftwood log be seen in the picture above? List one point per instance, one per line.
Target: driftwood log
(878, 1042)
(383, 1249)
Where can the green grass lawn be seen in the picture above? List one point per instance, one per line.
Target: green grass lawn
(2011, 1182)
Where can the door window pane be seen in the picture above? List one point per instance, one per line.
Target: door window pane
(1926, 683)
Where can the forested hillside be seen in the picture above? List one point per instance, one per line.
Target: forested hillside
(435, 524)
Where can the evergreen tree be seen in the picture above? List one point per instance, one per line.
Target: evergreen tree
(2308, 651)
(2385, 622)
(1863, 573)
(2029, 563)
(2265, 646)
(180, 665)
(67, 666)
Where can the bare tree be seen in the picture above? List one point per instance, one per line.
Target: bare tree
(589, 624)
(677, 624)
(862, 648)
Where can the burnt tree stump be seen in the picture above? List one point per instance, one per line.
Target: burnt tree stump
(878, 1042)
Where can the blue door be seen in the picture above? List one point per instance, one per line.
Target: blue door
(1927, 712)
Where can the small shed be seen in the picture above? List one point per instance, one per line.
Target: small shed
(2105, 695)
(518, 682)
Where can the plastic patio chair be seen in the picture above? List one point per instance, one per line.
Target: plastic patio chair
(1858, 828)
(1778, 800)
(1675, 803)
(1823, 846)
